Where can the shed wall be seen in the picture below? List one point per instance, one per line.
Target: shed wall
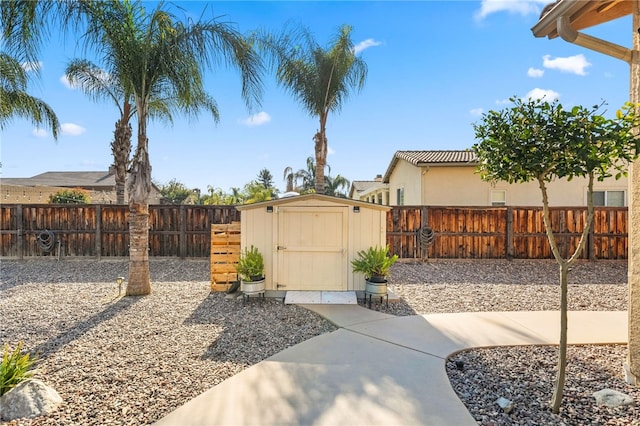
(365, 228)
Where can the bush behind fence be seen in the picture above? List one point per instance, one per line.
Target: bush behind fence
(183, 231)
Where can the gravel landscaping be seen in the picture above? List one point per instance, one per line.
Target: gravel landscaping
(131, 361)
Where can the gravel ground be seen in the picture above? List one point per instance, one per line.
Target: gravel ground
(133, 360)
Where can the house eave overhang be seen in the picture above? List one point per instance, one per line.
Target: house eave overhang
(581, 14)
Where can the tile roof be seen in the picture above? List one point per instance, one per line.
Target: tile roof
(431, 157)
(99, 179)
(425, 158)
(365, 185)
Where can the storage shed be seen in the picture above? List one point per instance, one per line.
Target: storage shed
(309, 241)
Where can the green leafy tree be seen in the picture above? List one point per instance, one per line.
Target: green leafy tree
(321, 79)
(70, 196)
(541, 141)
(154, 55)
(177, 193)
(15, 102)
(255, 191)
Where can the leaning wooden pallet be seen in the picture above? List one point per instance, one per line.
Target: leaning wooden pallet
(225, 252)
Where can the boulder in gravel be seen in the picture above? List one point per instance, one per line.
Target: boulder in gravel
(31, 398)
(505, 404)
(612, 398)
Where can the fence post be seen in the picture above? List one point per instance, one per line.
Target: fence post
(20, 233)
(98, 231)
(183, 232)
(509, 233)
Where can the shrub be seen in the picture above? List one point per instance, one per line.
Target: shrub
(70, 196)
(250, 265)
(15, 368)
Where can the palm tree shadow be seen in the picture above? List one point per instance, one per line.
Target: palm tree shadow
(79, 329)
(243, 336)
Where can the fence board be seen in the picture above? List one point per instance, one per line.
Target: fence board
(460, 232)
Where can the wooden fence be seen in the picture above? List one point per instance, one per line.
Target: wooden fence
(102, 230)
(185, 231)
(505, 232)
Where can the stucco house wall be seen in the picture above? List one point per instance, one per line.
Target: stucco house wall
(449, 178)
(462, 186)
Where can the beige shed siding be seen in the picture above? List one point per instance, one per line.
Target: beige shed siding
(364, 229)
(368, 228)
(461, 186)
(256, 228)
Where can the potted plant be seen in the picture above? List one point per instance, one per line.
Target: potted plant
(250, 270)
(374, 263)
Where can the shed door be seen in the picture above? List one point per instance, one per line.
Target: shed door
(312, 248)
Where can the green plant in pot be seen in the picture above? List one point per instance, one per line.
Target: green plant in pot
(250, 270)
(374, 263)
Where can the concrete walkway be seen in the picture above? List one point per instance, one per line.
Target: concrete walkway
(378, 369)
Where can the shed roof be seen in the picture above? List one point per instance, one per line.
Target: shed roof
(317, 197)
(430, 158)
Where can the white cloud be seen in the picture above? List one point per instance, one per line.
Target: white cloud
(330, 151)
(571, 64)
(503, 101)
(535, 72)
(64, 80)
(31, 66)
(365, 44)
(476, 112)
(521, 7)
(256, 119)
(542, 94)
(71, 129)
(40, 133)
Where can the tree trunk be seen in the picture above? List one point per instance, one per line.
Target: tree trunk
(139, 189)
(139, 283)
(121, 149)
(556, 400)
(320, 140)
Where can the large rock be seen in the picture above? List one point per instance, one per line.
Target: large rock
(31, 398)
(612, 398)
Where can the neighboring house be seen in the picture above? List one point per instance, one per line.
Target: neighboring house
(449, 178)
(37, 189)
(370, 191)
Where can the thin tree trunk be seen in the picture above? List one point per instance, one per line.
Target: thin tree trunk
(556, 400)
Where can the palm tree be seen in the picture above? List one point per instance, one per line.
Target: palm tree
(154, 55)
(336, 186)
(16, 102)
(290, 178)
(98, 84)
(320, 79)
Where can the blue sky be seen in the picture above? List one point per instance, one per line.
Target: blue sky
(434, 68)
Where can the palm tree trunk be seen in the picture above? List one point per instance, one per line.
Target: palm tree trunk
(139, 189)
(121, 149)
(320, 140)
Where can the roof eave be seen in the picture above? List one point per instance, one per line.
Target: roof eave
(547, 25)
